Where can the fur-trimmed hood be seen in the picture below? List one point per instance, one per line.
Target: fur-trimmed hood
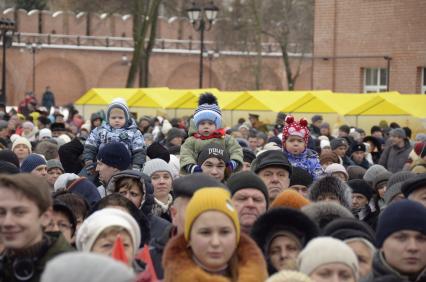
(180, 267)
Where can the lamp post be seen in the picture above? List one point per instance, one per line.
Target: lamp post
(33, 48)
(202, 18)
(7, 28)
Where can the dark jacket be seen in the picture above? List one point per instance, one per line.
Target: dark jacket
(368, 216)
(53, 244)
(157, 247)
(394, 158)
(364, 164)
(381, 270)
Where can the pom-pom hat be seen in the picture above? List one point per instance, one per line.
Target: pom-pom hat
(208, 109)
(294, 128)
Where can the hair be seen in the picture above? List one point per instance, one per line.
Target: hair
(345, 128)
(114, 230)
(77, 203)
(128, 182)
(36, 189)
(48, 149)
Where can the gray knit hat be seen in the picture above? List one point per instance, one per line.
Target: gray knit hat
(337, 142)
(152, 166)
(53, 163)
(381, 177)
(372, 172)
(331, 185)
(395, 184)
(398, 132)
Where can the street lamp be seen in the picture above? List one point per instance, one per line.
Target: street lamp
(33, 48)
(202, 18)
(7, 28)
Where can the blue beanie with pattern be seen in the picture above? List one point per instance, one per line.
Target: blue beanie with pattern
(208, 109)
(31, 162)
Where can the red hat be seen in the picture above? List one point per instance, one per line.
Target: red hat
(294, 128)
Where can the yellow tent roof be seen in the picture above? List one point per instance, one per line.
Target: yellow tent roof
(379, 105)
(251, 101)
(153, 98)
(104, 96)
(415, 104)
(189, 98)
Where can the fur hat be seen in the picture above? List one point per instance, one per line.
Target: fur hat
(412, 184)
(155, 165)
(403, 215)
(329, 157)
(300, 177)
(324, 212)
(360, 186)
(290, 199)
(208, 109)
(358, 148)
(334, 186)
(31, 162)
(245, 180)
(282, 219)
(115, 154)
(119, 103)
(187, 185)
(325, 250)
(349, 228)
(102, 219)
(158, 151)
(398, 132)
(294, 128)
(355, 172)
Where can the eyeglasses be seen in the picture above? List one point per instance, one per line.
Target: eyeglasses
(61, 226)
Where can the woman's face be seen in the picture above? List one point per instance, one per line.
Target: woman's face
(105, 243)
(21, 151)
(213, 239)
(162, 183)
(364, 255)
(336, 272)
(133, 193)
(281, 250)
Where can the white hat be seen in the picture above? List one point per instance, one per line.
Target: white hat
(324, 144)
(21, 140)
(93, 226)
(154, 165)
(44, 133)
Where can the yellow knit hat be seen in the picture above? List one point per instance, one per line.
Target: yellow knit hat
(208, 199)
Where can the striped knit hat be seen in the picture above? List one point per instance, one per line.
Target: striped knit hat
(208, 109)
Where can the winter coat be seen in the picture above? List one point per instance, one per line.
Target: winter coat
(308, 161)
(48, 99)
(56, 245)
(418, 166)
(381, 269)
(192, 147)
(364, 164)
(368, 216)
(129, 135)
(393, 158)
(157, 247)
(179, 265)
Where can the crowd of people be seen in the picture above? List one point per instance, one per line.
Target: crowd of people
(117, 199)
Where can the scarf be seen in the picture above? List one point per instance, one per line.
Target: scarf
(219, 133)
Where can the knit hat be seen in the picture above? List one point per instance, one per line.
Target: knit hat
(44, 133)
(300, 177)
(337, 142)
(271, 158)
(53, 163)
(289, 276)
(119, 103)
(102, 219)
(187, 185)
(360, 186)
(247, 180)
(31, 162)
(69, 155)
(85, 188)
(158, 151)
(328, 157)
(400, 176)
(412, 184)
(336, 167)
(173, 133)
(355, 172)
(419, 147)
(9, 156)
(114, 154)
(331, 185)
(325, 125)
(294, 128)
(358, 148)
(93, 267)
(325, 144)
(349, 228)
(213, 150)
(380, 178)
(248, 155)
(372, 172)
(210, 199)
(398, 132)
(290, 199)
(325, 250)
(8, 168)
(208, 109)
(279, 220)
(155, 165)
(21, 140)
(403, 215)
(322, 213)
(316, 118)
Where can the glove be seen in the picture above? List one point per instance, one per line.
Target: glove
(136, 168)
(232, 165)
(90, 168)
(192, 168)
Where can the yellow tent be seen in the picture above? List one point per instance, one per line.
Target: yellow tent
(379, 105)
(104, 96)
(413, 103)
(251, 101)
(151, 98)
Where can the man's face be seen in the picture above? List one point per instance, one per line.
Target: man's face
(377, 134)
(177, 211)
(358, 156)
(250, 203)
(105, 172)
(419, 195)
(359, 201)
(40, 170)
(276, 180)
(246, 166)
(341, 151)
(214, 167)
(405, 251)
(53, 174)
(252, 143)
(301, 189)
(20, 220)
(396, 140)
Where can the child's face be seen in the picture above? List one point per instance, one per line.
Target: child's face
(206, 127)
(295, 145)
(117, 118)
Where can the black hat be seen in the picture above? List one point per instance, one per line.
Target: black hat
(316, 118)
(245, 180)
(69, 155)
(248, 155)
(358, 147)
(374, 140)
(300, 177)
(158, 151)
(337, 142)
(375, 128)
(281, 219)
(325, 212)
(185, 186)
(115, 154)
(414, 183)
(348, 228)
(57, 126)
(360, 186)
(271, 158)
(9, 156)
(8, 168)
(213, 150)
(60, 206)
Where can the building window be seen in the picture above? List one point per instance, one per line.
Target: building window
(375, 80)
(423, 85)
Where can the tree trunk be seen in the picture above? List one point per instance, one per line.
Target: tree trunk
(287, 67)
